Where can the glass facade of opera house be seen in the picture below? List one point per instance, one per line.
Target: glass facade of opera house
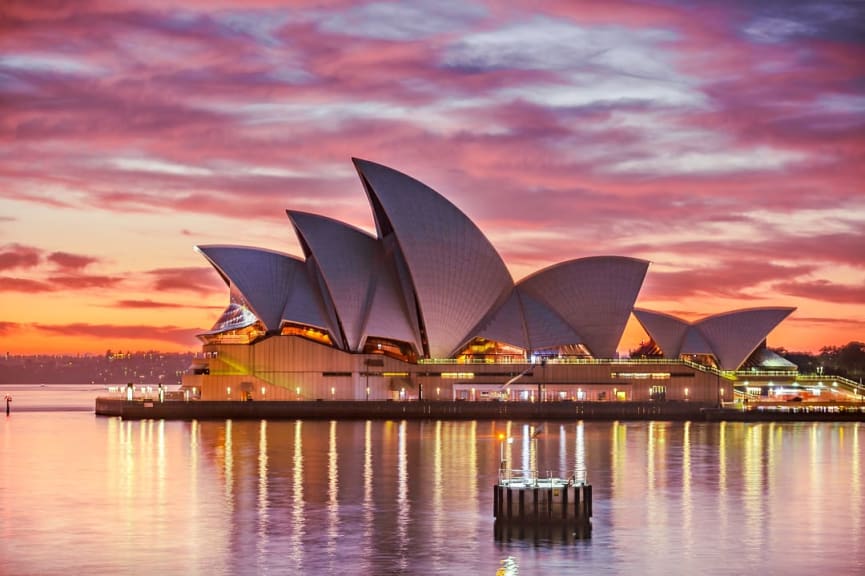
(427, 309)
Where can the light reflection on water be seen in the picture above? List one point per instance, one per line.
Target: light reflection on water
(105, 496)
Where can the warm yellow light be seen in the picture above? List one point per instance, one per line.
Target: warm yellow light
(263, 389)
(501, 436)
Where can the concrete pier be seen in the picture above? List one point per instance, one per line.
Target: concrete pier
(139, 409)
(377, 409)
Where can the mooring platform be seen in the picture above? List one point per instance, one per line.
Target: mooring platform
(524, 500)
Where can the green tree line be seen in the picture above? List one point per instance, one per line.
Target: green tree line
(847, 360)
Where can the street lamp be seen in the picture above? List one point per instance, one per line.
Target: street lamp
(366, 364)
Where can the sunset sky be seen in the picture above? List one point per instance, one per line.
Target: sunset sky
(722, 141)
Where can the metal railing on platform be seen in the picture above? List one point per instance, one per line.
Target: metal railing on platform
(530, 478)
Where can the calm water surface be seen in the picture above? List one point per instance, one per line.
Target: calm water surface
(99, 495)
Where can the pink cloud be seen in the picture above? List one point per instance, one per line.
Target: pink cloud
(14, 256)
(191, 279)
(146, 304)
(73, 262)
(681, 120)
(57, 283)
(827, 321)
(173, 334)
(8, 284)
(83, 281)
(823, 290)
(729, 279)
(151, 304)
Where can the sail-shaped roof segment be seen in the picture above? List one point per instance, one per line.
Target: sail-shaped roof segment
(388, 315)
(263, 277)
(546, 329)
(359, 280)
(433, 280)
(731, 337)
(695, 343)
(595, 296)
(667, 331)
(506, 324)
(346, 257)
(455, 272)
(735, 335)
(235, 316)
(304, 305)
(764, 359)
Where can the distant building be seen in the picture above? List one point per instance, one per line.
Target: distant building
(426, 308)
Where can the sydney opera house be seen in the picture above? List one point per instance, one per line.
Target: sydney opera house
(427, 309)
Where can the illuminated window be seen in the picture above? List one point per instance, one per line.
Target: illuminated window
(244, 335)
(306, 332)
(482, 350)
(391, 348)
(641, 375)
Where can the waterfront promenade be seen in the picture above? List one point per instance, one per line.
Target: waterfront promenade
(461, 410)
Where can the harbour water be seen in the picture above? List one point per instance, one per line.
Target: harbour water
(100, 495)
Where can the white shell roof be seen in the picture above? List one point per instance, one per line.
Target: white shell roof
(729, 336)
(666, 330)
(346, 257)
(506, 323)
(765, 358)
(263, 277)
(388, 316)
(545, 327)
(695, 343)
(456, 273)
(735, 335)
(595, 296)
(303, 304)
(361, 283)
(234, 317)
(432, 279)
